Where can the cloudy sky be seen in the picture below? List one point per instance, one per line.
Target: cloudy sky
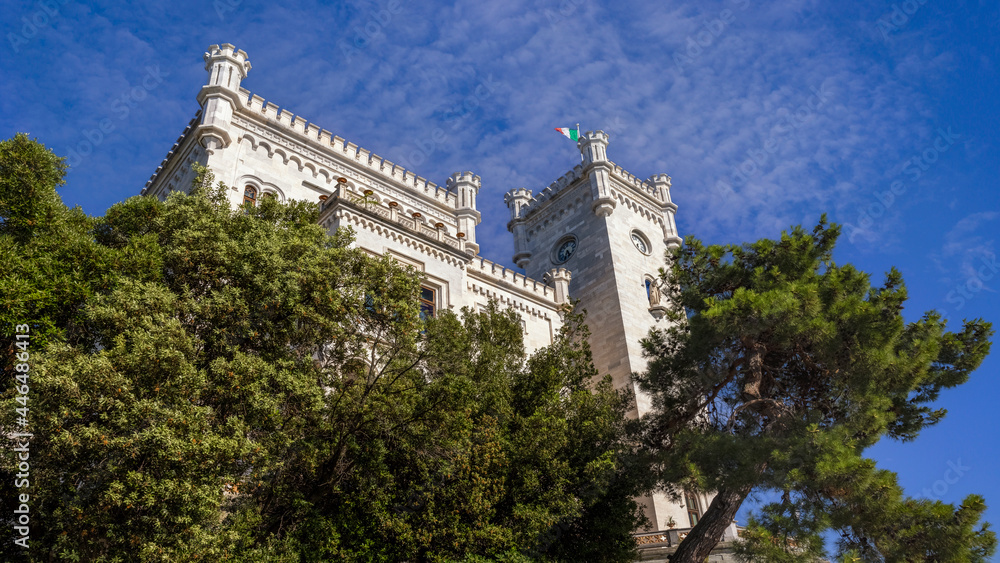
(883, 115)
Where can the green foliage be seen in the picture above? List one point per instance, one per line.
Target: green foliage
(220, 384)
(780, 368)
(48, 265)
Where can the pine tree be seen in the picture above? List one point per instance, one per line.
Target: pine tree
(779, 369)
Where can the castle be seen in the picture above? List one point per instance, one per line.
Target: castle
(597, 234)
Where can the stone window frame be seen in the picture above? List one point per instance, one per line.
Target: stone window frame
(440, 289)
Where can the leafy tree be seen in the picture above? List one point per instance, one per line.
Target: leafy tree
(498, 455)
(779, 369)
(48, 263)
(224, 384)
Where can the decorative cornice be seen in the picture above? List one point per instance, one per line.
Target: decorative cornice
(219, 92)
(345, 152)
(410, 232)
(326, 167)
(491, 293)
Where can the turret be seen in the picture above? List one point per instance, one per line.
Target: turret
(559, 278)
(466, 186)
(661, 183)
(517, 202)
(227, 66)
(593, 146)
(220, 97)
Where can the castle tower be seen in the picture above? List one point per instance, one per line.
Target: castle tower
(611, 230)
(466, 186)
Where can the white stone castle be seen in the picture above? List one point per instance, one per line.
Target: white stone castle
(597, 234)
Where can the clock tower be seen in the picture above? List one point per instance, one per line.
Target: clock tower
(610, 230)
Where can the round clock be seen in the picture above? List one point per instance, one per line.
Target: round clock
(565, 250)
(640, 242)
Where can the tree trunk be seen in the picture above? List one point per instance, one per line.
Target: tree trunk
(702, 539)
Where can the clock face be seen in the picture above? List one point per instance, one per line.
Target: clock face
(566, 250)
(640, 243)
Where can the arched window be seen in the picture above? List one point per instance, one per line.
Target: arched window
(693, 508)
(250, 196)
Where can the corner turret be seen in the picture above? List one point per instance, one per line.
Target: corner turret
(661, 185)
(559, 279)
(593, 146)
(227, 66)
(220, 97)
(466, 187)
(517, 201)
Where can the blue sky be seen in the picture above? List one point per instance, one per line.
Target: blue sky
(882, 114)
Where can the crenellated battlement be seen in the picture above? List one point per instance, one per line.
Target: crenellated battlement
(362, 157)
(657, 187)
(649, 187)
(498, 273)
(598, 136)
(554, 188)
(516, 194)
(518, 201)
(466, 177)
(228, 51)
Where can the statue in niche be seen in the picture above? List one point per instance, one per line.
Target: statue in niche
(653, 293)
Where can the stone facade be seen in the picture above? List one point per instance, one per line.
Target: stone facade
(597, 234)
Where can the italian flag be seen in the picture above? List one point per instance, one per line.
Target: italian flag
(573, 134)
